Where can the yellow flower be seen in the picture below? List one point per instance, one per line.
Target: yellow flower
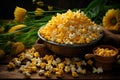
(19, 14)
(40, 3)
(50, 7)
(111, 20)
(16, 27)
(39, 12)
(17, 47)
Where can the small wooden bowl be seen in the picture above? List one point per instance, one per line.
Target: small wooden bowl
(106, 62)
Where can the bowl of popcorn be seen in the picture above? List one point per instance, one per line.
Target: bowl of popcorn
(104, 55)
(70, 33)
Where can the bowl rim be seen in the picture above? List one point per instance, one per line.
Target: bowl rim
(70, 45)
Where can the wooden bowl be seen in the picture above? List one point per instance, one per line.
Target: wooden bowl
(106, 62)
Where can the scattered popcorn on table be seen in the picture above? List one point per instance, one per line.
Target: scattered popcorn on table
(74, 74)
(28, 56)
(83, 71)
(78, 64)
(47, 74)
(58, 60)
(50, 64)
(90, 62)
(27, 74)
(67, 69)
(58, 74)
(11, 65)
(41, 72)
(79, 70)
(83, 63)
(61, 65)
(73, 68)
(67, 61)
(54, 62)
(97, 70)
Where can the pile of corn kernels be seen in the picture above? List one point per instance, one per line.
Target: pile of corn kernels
(71, 28)
(30, 61)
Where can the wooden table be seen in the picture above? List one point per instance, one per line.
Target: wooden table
(5, 74)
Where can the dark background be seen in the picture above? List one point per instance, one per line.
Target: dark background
(7, 6)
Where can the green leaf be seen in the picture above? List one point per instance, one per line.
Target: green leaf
(94, 8)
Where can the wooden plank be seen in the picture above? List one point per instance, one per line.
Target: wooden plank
(5, 74)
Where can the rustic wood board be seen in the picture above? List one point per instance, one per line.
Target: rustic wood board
(15, 74)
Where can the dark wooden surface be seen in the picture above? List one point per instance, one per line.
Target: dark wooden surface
(15, 74)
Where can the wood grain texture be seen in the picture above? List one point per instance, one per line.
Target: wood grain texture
(15, 74)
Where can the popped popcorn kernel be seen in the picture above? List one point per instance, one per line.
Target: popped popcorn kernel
(47, 74)
(83, 71)
(67, 69)
(90, 62)
(75, 74)
(11, 65)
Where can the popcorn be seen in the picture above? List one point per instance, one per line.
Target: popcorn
(42, 65)
(17, 62)
(41, 72)
(58, 60)
(54, 62)
(59, 72)
(61, 65)
(28, 56)
(78, 64)
(67, 28)
(11, 65)
(33, 68)
(27, 73)
(79, 70)
(50, 64)
(97, 70)
(47, 74)
(49, 67)
(67, 69)
(72, 68)
(83, 63)
(74, 74)
(90, 62)
(83, 71)
(105, 52)
(67, 61)
(36, 54)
